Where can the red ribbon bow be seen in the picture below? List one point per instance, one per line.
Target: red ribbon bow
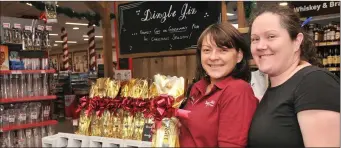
(83, 104)
(161, 107)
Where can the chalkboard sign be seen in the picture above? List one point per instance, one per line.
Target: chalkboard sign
(164, 26)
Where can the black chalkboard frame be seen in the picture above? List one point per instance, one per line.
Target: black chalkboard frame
(174, 52)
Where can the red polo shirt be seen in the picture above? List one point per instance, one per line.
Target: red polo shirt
(221, 118)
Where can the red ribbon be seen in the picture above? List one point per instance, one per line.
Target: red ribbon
(43, 17)
(83, 104)
(161, 107)
(114, 104)
(143, 106)
(98, 105)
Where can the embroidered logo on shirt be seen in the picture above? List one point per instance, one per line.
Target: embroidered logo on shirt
(209, 103)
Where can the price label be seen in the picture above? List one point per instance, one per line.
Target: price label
(16, 72)
(17, 26)
(22, 117)
(40, 27)
(75, 122)
(11, 119)
(6, 25)
(28, 133)
(34, 115)
(46, 113)
(29, 28)
(48, 28)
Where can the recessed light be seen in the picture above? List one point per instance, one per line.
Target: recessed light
(86, 39)
(79, 24)
(86, 36)
(283, 3)
(55, 44)
(67, 41)
(229, 14)
(235, 25)
(29, 4)
(75, 28)
(53, 34)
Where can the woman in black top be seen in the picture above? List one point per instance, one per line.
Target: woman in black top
(301, 107)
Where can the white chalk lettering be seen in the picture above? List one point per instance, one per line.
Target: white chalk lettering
(149, 15)
(145, 32)
(157, 31)
(186, 10)
(176, 30)
(156, 39)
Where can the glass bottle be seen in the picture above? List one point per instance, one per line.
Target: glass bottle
(337, 33)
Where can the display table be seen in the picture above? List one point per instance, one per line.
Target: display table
(74, 140)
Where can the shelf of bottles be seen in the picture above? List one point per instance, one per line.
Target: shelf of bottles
(327, 41)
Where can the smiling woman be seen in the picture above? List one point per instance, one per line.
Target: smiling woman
(301, 108)
(222, 97)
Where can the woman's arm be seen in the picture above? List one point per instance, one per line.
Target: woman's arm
(320, 128)
(317, 104)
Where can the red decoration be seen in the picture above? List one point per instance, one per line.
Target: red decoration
(43, 17)
(83, 104)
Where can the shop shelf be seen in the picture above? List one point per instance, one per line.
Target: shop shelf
(28, 125)
(26, 71)
(327, 43)
(27, 99)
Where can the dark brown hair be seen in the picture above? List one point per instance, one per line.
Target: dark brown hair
(290, 20)
(224, 34)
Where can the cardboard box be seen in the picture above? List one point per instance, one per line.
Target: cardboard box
(4, 63)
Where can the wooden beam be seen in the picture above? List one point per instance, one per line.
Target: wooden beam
(107, 40)
(223, 11)
(158, 54)
(241, 15)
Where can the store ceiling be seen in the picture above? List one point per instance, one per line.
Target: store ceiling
(16, 9)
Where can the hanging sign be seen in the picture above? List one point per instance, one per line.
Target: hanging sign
(315, 8)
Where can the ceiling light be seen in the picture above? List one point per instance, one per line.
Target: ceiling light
(85, 36)
(67, 41)
(283, 4)
(235, 25)
(29, 4)
(53, 34)
(75, 28)
(55, 44)
(86, 39)
(229, 14)
(79, 24)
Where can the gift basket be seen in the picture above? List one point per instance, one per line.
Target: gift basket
(134, 109)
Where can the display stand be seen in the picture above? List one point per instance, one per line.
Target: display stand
(74, 140)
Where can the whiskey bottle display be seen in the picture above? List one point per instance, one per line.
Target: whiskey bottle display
(332, 31)
(337, 33)
(325, 57)
(330, 58)
(336, 57)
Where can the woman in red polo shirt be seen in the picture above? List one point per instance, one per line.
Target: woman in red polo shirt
(222, 102)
